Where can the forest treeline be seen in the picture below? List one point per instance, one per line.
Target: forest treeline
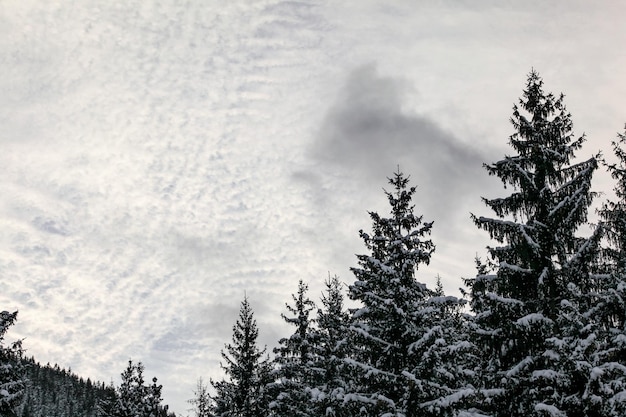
(539, 331)
(56, 392)
(29, 389)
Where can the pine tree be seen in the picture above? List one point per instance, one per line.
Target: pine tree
(11, 368)
(243, 394)
(444, 374)
(135, 398)
(330, 350)
(393, 332)
(606, 391)
(529, 318)
(295, 374)
(202, 400)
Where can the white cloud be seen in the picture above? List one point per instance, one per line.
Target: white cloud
(149, 151)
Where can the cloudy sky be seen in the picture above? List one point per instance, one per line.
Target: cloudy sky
(160, 158)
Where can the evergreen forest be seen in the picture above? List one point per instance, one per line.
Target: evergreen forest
(539, 331)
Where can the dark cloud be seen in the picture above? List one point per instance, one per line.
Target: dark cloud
(369, 132)
(366, 134)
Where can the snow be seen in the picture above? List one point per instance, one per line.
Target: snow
(451, 399)
(528, 239)
(557, 342)
(357, 398)
(596, 373)
(316, 394)
(361, 311)
(472, 413)
(544, 274)
(463, 345)
(446, 299)
(368, 335)
(532, 318)
(551, 355)
(515, 268)
(385, 399)
(559, 206)
(377, 263)
(519, 367)
(548, 374)
(425, 338)
(370, 370)
(549, 409)
(505, 300)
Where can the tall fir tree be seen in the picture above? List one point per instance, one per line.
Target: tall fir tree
(202, 400)
(243, 394)
(12, 371)
(330, 350)
(613, 213)
(295, 373)
(393, 331)
(607, 388)
(444, 374)
(529, 315)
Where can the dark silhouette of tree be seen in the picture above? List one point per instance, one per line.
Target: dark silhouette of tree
(242, 394)
(530, 321)
(11, 368)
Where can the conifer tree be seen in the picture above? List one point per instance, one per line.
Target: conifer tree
(11, 368)
(529, 319)
(243, 393)
(393, 332)
(295, 374)
(202, 400)
(444, 373)
(135, 398)
(613, 213)
(606, 391)
(330, 350)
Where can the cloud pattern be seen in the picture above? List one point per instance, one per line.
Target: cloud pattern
(160, 158)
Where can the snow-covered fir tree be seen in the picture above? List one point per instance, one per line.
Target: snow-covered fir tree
(606, 390)
(397, 336)
(445, 370)
(243, 393)
(201, 401)
(135, 398)
(11, 368)
(530, 317)
(613, 213)
(330, 349)
(295, 374)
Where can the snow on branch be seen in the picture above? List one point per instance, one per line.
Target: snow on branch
(550, 410)
(520, 366)
(532, 318)
(505, 300)
(515, 268)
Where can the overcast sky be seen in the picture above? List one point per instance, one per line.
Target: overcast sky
(160, 158)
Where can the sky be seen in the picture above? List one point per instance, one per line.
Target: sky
(160, 159)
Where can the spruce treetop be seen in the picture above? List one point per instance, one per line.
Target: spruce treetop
(242, 393)
(550, 199)
(530, 317)
(613, 213)
(397, 244)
